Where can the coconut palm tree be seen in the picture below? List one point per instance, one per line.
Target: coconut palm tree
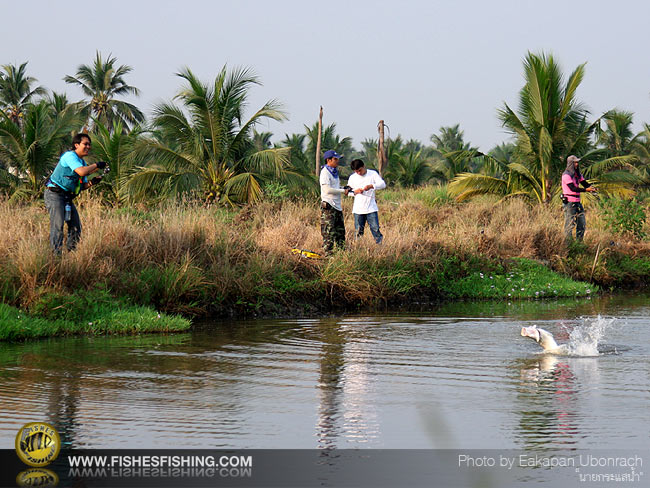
(262, 140)
(369, 151)
(408, 168)
(501, 175)
(641, 146)
(329, 140)
(413, 145)
(32, 150)
(296, 144)
(103, 82)
(620, 156)
(503, 151)
(549, 125)
(60, 102)
(549, 121)
(450, 139)
(451, 154)
(307, 183)
(114, 145)
(298, 161)
(617, 136)
(205, 146)
(17, 90)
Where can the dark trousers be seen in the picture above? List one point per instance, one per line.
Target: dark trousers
(574, 216)
(373, 222)
(332, 227)
(55, 204)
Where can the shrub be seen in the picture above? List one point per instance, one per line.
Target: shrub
(623, 216)
(433, 196)
(276, 192)
(518, 278)
(628, 271)
(172, 288)
(75, 307)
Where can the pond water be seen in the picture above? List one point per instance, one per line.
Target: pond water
(459, 376)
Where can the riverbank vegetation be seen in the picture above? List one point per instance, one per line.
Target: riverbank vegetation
(113, 318)
(203, 261)
(200, 211)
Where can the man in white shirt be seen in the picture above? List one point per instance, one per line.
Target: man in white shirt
(364, 182)
(331, 212)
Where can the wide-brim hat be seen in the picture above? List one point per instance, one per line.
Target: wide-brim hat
(573, 159)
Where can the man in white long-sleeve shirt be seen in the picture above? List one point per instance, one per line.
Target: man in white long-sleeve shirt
(331, 212)
(364, 182)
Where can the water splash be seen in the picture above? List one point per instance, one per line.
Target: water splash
(584, 339)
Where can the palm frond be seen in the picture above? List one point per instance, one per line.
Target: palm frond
(619, 177)
(468, 185)
(243, 188)
(159, 182)
(599, 168)
(272, 161)
(271, 110)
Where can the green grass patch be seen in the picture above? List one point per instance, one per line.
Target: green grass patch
(371, 281)
(174, 287)
(366, 280)
(286, 283)
(57, 314)
(625, 270)
(432, 196)
(519, 279)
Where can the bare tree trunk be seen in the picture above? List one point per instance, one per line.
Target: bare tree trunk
(381, 151)
(320, 133)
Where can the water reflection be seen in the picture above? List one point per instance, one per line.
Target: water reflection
(63, 403)
(549, 399)
(560, 308)
(331, 365)
(79, 383)
(345, 413)
(395, 381)
(43, 383)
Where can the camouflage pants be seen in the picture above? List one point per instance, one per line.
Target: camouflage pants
(332, 227)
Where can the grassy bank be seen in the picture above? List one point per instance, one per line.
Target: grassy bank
(110, 317)
(200, 261)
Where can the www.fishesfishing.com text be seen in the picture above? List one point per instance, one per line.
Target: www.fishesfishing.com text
(156, 466)
(160, 461)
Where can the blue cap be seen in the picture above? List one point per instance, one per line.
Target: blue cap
(331, 154)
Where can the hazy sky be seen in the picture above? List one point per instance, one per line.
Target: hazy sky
(418, 65)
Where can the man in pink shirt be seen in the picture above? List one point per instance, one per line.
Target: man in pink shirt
(574, 212)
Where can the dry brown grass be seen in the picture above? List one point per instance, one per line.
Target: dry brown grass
(216, 255)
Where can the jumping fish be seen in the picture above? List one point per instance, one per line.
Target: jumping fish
(545, 339)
